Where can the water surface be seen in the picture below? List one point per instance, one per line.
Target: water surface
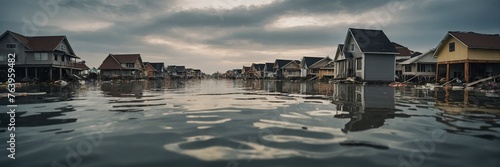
(252, 123)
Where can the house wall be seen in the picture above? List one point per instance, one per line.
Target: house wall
(379, 67)
(484, 54)
(414, 70)
(445, 55)
(19, 50)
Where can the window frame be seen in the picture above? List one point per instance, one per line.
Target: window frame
(11, 44)
(451, 47)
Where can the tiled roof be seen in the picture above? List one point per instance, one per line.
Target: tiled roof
(281, 62)
(110, 63)
(114, 61)
(126, 58)
(372, 41)
(158, 66)
(402, 50)
(269, 67)
(477, 40)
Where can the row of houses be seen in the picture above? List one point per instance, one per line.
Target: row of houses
(48, 58)
(131, 66)
(369, 55)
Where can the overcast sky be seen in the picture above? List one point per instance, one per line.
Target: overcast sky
(219, 35)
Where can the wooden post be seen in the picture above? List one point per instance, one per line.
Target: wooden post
(437, 72)
(466, 71)
(26, 72)
(60, 73)
(447, 71)
(50, 73)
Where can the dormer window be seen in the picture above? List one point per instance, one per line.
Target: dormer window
(63, 47)
(452, 47)
(10, 46)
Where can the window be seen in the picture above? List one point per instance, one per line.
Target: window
(10, 46)
(3, 58)
(62, 58)
(407, 68)
(351, 48)
(452, 47)
(63, 47)
(41, 56)
(55, 57)
(359, 64)
(130, 65)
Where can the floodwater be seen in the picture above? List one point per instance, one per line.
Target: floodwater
(251, 123)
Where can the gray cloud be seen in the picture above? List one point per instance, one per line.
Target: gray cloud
(207, 37)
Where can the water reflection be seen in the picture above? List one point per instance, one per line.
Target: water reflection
(367, 106)
(44, 118)
(467, 101)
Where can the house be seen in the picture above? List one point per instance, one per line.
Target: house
(189, 73)
(421, 67)
(237, 73)
(278, 68)
(366, 54)
(149, 70)
(269, 70)
(44, 58)
(327, 71)
(176, 72)
(246, 72)
(197, 73)
(160, 69)
(81, 68)
(258, 70)
(468, 56)
(122, 66)
(404, 54)
(291, 70)
(310, 66)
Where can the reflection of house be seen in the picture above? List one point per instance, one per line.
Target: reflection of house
(269, 70)
(368, 106)
(367, 54)
(327, 71)
(122, 65)
(37, 57)
(404, 54)
(423, 67)
(310, 66)
(468, 56)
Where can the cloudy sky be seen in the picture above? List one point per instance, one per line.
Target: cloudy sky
(219, 35)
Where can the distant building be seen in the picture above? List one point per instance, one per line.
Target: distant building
(269, 70)
(278, 68)
(149, 70)
(122, 66)
(38, 57)
(404, 54)
(258, 70)
(310, 66)
(422, 67)
(368, 55)
(291, 70)
(468, 56)
(327, 71)
(159, 67)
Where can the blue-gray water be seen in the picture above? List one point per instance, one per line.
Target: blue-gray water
(252, 123)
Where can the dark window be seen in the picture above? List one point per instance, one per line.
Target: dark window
(130, 65)
(452, 47)
(55, 57)
(10, 46)
(359, 64)
(351, 48)
(62, 58)
(407, 68)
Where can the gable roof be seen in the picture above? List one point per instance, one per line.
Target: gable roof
(269, 67)
(147, 64)
(180, 68)
(258, 67)
(280, 62)
(158, 66)
(340, 51)
(41, 43)
(402, 50)
(372, 41)
(81, 66)
(477, 40)
(309, 61)
(114, 61)
(419, 58)
(329, 65)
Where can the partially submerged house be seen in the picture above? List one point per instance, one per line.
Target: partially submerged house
(160, 71)
(310, 66)
(122, 66)
(291, 70)
(269, 70)
(176, 72)
(422, 67)
(258, 70)
(366, 54)
(278, 68)
(149, 70)
(246, 72)
(327, 71)
(468, 56)
(43, 58)
(404, 54)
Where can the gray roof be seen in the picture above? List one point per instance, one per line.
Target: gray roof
(372, 41)
(427, 58)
